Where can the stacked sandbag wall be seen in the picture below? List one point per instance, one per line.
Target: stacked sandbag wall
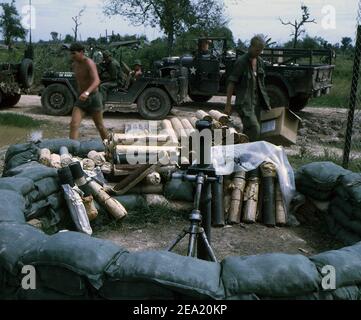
(72, 265)
(326, 181)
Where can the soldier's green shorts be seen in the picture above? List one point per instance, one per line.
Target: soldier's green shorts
(92, 104)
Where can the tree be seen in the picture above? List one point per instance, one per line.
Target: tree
(346, 43)
(68, 38)
(172, 17)
(10, 24)
(54, 36)
(298, 26)
(77, 22)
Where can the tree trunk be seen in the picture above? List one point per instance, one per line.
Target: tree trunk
(170, 42)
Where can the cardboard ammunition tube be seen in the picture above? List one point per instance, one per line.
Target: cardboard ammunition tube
(238, 185)
(45, 157)
(251, 197)
(281, 218)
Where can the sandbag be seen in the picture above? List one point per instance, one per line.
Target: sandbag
(131, 201)
(17, 149)
(21, 158)
(324, 174)
(15, 240)
(46, 187)
(315, 193)
(32, 170)
(270, 275)
(12, 206)
(54, 145)
(345, 206)
(190, 277)
(76, 252)
(346, 262)
(20, 185)
(351, 184)
(44, 293)
(177, 189)
(88, 145)
(345, 221)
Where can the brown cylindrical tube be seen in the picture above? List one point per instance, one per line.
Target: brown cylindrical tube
(202, 115)
(219, 116)
(153, 178)
(55, 161)
(88, 164)
(91, 211)
(147, 189)
(281, 218)
(45, 157)
(178, 127)
(112, 205)
(251, 197)
(236, 137)
(235, 211)
(97, 157)
(169, 130)
(120, 149)
(193, 121)
(187, 126)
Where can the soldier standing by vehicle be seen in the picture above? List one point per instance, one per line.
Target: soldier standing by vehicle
(112, 76)
(89, 100)
(136, 73)
(247, 79)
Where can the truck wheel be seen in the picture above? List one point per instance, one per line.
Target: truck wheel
(154, 104)
(199, 98)
(57, 100)
(26, 73)
(299, 102)
(10, 100)
(278, 97)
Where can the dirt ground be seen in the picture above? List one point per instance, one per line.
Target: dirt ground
(321, 128)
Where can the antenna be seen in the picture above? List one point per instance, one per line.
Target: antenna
(30, 22)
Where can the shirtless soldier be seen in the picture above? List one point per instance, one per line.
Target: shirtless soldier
(89, 100)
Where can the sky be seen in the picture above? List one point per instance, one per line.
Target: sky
(335, 18)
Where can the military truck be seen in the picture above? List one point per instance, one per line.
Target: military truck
(155, 93)
(293, 76)
(15, 79)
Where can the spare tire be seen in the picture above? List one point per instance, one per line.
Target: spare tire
(154, 104)
(278, 96)
(10, 100)
(57, 100)
(26, 73)
(199, 98)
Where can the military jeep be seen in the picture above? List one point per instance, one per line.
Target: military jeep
(155, 93)
(293, 76)
(15, 79)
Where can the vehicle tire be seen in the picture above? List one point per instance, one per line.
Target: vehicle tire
(1, 99)
(154, 104)
(10, 100)
(297, 103)
(26, 73)
(278, 96)
(57, 100)
(199, 98)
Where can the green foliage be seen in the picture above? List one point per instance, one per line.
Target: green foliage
(10, 23)
(18, 120)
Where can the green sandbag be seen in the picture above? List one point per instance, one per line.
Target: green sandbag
(351, 185)
(15, 240)
(89, 145)
(344, 206)
(21, 158)
(47, 187)
(20, 185)
(43, 293)
(12, 206)
(33, 170)
(54, 145)
(177, 189)
(269, 275)
(18, 148)
(347, 237)
(347, 293)
(325, 175)
(131, 201)
(314, 194)
(345, 221)
(76, 252)
(346, 262)
(190, 277)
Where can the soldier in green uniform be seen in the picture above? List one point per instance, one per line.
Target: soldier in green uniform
(247, 81)
(112, 75)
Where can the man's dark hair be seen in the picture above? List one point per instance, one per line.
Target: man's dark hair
(76, 46)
